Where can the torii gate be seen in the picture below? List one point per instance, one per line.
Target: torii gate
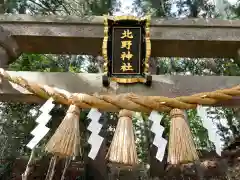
(179, 38)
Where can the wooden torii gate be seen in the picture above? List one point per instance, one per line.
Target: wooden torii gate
(74, 35)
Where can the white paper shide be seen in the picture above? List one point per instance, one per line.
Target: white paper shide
(157, 129)
(95, 127)
(41, 130)
(214, 137)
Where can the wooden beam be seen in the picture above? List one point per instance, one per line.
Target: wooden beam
(170, 86)
(170, 38)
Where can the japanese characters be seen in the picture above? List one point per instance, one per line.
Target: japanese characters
(126, 41)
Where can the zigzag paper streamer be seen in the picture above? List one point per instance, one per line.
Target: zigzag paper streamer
(95, 127)
(41, 130)
(157, 129)
(211, 128)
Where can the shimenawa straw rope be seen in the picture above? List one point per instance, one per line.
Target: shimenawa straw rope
(128, 101)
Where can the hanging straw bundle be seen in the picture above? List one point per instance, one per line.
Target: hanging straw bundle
(181, 145)
(66, 140)
(51, 168)
(122, 150)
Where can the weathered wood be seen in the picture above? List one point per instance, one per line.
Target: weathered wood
(9, 49)
(170, 86)
(170, 38)
(4, 58)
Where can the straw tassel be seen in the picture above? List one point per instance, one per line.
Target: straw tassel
(51, 168)
(122, 149)
(66, 140)
(181, 145)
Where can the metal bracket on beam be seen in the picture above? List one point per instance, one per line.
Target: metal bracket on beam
(105, 81)
(9, 49)
(237, 59)
(148, 80)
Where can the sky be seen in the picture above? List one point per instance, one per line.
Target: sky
(127, 6)
(232, 1)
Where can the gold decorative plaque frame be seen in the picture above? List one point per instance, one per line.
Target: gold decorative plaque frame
(147, 41)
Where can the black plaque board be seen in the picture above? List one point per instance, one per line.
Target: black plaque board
(126, 51)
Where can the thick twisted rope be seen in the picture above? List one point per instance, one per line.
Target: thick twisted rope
(128, 101)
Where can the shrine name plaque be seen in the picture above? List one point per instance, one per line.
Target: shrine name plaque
(126, 49)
